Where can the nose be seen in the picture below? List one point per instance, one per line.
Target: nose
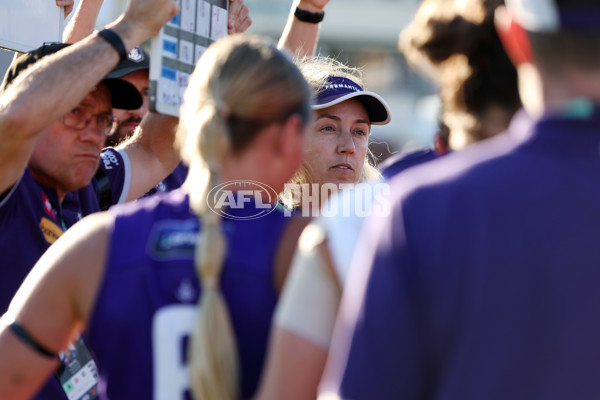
(137, 113)
(345, 143)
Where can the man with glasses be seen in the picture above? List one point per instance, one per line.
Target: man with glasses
(55, 115)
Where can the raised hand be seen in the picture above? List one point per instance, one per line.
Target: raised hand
(239, 19)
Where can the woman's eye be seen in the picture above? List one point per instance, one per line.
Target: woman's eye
(327, 128)
(360, 132)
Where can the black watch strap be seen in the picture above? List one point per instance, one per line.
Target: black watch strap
(307, 16)
(115, 41)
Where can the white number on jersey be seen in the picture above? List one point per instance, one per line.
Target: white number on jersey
(171, 326)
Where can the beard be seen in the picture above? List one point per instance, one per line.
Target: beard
(124, 131)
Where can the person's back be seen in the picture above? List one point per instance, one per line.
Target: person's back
(150, 291)
(480, 284)
(502, 255)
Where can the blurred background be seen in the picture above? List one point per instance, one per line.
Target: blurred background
(363, 34)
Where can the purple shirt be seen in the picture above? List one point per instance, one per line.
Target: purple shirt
(31, 219)
(400, 162)
(147, 302)
(483, 284)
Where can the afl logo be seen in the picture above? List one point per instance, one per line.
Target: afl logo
(242, 200)
(136, 55)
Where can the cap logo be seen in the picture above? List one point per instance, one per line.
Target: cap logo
(341, 86)
(336, 87)
(136, 55)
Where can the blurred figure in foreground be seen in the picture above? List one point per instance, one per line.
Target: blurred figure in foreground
(481, 283)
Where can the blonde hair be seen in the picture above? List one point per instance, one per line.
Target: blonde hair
(240, 85)
(317, 70)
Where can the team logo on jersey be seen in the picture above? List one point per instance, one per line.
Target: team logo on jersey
(136, 55)
(173, 239)
(255, 198)
(50, 230)
(186, 292)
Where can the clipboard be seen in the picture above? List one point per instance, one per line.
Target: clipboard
(177, 48)
(28, 24)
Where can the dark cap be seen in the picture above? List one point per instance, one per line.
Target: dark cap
(137, 60)
(340, 89)
(124, 94)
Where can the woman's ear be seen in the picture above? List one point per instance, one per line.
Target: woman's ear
(514, 38)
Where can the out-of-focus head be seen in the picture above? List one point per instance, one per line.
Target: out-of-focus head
(245, 99)
(455, 43)
(337, 147)
(241, 85)
(562, 33)
(135, 69)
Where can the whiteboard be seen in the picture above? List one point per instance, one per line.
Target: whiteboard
(175, 51)
(27, 24)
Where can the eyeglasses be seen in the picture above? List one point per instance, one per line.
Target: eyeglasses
(79, 118)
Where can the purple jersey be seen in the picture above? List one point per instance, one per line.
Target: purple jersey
(31, 219)
(483, 284)
(398, 163)
(147, 301)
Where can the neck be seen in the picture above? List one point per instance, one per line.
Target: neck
(549, 91)
(47, 182)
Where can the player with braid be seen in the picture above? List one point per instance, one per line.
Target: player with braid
(144, 278)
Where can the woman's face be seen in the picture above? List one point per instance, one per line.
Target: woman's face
(337, 145)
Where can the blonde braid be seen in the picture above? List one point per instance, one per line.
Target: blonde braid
(214, 370)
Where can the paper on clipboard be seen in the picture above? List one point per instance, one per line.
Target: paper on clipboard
(177, 48)
(28, 24)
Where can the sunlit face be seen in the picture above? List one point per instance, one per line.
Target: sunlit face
(337, 145)
(130, 119)
(65, 158)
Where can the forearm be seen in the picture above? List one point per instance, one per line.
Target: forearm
(301, 37)
(60, 81)
(57, 83)
(151, 152)
(83, 21)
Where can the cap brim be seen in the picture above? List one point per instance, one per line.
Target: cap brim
(377, 108)
(123, 94)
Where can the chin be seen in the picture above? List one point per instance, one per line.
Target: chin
(352, 180)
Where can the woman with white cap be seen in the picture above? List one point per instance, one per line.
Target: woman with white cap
(336, 154)
(337, 148)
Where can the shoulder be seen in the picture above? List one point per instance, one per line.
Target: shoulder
(400, 162)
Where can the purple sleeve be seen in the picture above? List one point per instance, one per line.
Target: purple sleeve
(115, 164)
(377, 351)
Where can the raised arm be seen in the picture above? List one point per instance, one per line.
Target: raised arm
(298, 36)
(151, 152)
(83, 21)
(56, 84)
